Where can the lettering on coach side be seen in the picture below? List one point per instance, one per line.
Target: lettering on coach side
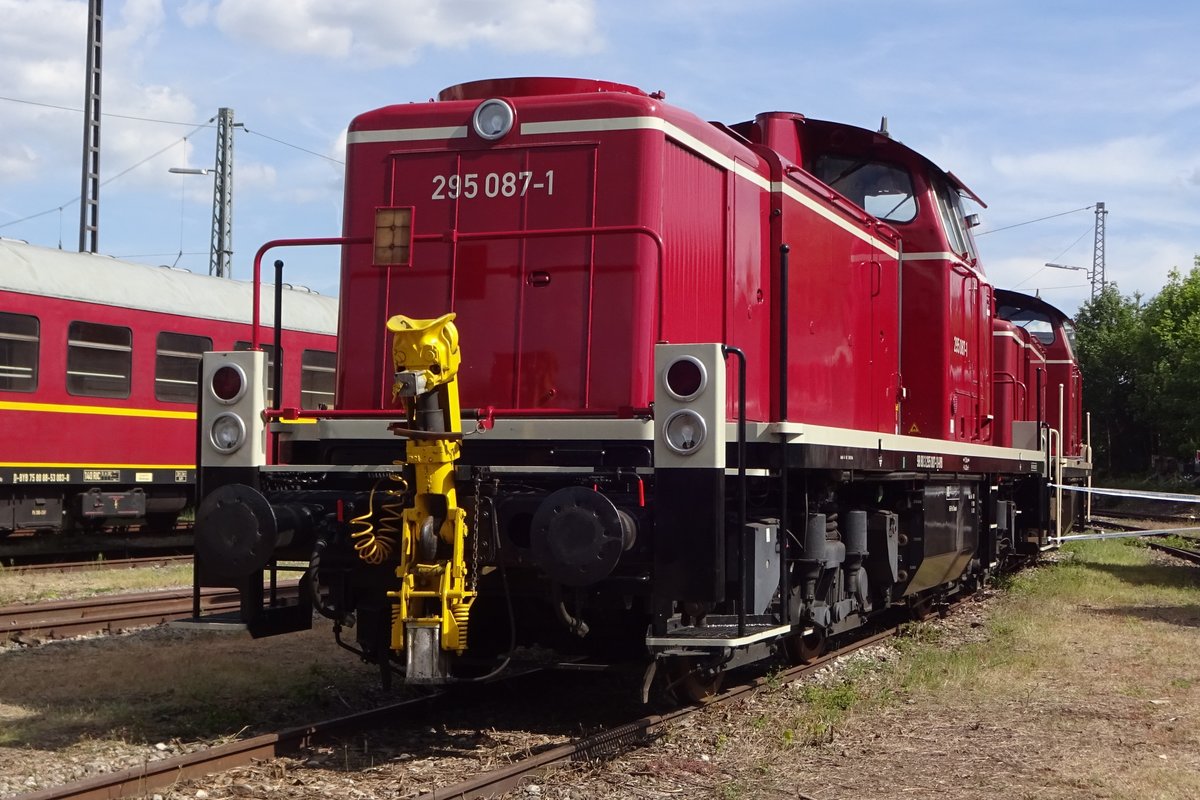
(929, 462)
(41, 477)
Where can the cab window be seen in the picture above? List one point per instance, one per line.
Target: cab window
(882, 190)
(1037, 323)
(953, 221)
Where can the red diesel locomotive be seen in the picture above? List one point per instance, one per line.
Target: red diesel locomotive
(621, 382)
(99, 364)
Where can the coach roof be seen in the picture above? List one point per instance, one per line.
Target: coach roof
(88, 278)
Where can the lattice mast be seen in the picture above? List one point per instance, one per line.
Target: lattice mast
(221, 252)
(1097, 274)
(89, 190)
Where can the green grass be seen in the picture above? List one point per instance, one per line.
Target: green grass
(1024, 634)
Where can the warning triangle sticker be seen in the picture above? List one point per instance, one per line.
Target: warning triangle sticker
(914, 428)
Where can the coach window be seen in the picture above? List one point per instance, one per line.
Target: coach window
(177, 366)
(882, 190)
(269, 349)
(18, 352)
(99, 358)
(317, 369)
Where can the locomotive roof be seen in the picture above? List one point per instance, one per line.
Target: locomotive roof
(89, 278)
(1009, 297)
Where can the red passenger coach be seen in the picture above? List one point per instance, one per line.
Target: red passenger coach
(618, 381)
(98, 382)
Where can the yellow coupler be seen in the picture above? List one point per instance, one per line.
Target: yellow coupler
(433, 593)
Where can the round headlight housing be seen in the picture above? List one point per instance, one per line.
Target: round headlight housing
(684, 432)
(493, 119)
(685, 378)
(227, 432)
(228, 383)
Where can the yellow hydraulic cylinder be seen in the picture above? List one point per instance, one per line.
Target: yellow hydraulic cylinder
(434, 583)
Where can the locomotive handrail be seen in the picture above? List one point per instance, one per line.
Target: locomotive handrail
(835, 198)
(255, 316)
(453, 236)
(486, 413)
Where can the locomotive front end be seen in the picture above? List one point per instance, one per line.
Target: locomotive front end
(513, 217)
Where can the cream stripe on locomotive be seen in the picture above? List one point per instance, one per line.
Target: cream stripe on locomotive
(710, 153)
(941, 256)
(407, 135)
(510, 429)
(1026, 345)
(640, 123)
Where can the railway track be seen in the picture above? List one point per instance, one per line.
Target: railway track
(1129, 525)
(1179, 552)
(25, 552)
(112, 613)
(103, 564)
(607, 743)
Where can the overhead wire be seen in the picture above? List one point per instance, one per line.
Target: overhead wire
(110, 179)
(294, 146)
(195, 127)
(1030, 222)
(102, 113)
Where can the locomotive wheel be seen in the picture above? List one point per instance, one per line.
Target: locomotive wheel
(805, 648)
(689, 682)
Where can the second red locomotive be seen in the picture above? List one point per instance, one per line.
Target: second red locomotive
(617, 380)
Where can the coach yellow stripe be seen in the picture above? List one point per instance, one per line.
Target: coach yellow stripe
(107, 411)
(93, 465)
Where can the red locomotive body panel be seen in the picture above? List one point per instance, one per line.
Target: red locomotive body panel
(1019, 374)
(1052, 353)
(843, 337)
(606, 222)
(945, 302)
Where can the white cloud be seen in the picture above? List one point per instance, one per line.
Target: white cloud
(18, 162)
(194, 13)
(42, 51)
(373, 33)
(1130, 161)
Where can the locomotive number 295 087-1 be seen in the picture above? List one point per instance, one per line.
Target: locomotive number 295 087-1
(490, 184)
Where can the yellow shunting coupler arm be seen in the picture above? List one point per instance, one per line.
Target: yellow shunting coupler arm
(434, 594)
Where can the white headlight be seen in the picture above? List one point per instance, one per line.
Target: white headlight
(493, 119)
(227, 432)
(685, 432)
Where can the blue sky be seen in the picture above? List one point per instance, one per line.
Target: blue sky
(1042, 108)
